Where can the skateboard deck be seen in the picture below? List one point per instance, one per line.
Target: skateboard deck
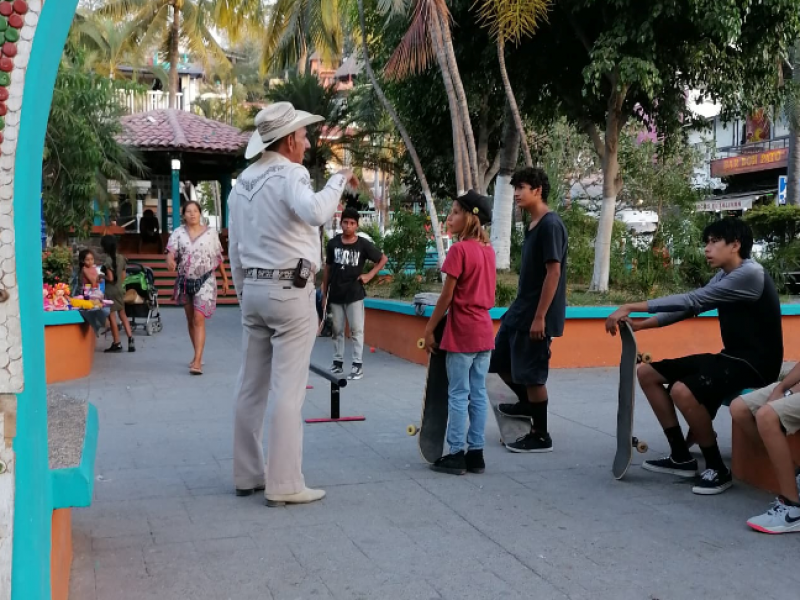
(511, 429)
(626, 442)
(433, 421)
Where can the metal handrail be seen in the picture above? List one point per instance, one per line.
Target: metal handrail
(752, 147)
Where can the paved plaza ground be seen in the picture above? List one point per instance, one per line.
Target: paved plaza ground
(165, 525)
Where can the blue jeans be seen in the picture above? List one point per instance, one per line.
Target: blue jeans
(466, 372)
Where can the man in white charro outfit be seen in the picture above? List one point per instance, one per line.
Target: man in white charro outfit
(274, 224)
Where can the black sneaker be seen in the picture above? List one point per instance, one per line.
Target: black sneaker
(131, 345)
(357, 372)
(532, 442)
(666, 465)
(337, 368)
(712, 482)
(241, 493)
(520, 410)
(114, 348)
(454, 464)
(474, 460)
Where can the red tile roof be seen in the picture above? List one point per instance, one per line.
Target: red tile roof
(180, 131)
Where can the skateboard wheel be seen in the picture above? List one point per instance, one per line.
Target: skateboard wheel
(420, 343)
(647, 358)
(412, 430)
(641, 447)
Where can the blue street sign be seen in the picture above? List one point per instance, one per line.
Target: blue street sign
(782, 189)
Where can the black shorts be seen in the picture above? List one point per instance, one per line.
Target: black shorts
(527, 361)
(712, 378)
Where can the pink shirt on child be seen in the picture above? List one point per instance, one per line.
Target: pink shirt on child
(469, 327)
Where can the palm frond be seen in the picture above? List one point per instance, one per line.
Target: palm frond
(511, 20)
(393, 7)
(280, 44)
(121, 10)
(237, 18)
(415, 51)
(198, 37)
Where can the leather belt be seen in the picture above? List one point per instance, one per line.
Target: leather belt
(280, 274)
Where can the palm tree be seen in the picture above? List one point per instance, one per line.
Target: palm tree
(297, 28)
(108, 44)
(166, 23)
(307, 93)
(428, 36)
(509, 21)
(412, 152)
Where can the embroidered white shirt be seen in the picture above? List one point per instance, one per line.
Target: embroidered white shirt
(274, 216)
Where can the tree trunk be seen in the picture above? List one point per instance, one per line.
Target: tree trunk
(173, 56)
(793, 106)
(463, 171)
(412, 152)
(512, 101)
(611, 186)
(503, 211)
(461, 97)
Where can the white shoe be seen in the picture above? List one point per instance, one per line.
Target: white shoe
(304, 497)
(779, 518)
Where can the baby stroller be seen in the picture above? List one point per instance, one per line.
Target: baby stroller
(141, 298)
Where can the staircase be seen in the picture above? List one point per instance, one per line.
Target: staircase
(166, 280)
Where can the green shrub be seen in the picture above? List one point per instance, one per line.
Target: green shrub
(581, 229)
(407, 242)
(779, 261)
(504, 294)
(778, 225)
(406, 285)
(57, 265)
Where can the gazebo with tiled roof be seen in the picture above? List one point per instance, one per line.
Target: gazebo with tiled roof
(207, 150)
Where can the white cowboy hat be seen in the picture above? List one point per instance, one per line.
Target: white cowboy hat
(274, 122)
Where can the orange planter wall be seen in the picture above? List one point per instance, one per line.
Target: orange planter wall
(69, 351)
(584, 344)
(61, 553)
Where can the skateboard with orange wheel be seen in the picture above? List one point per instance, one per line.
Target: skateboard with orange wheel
(626, 441)
(433, 420)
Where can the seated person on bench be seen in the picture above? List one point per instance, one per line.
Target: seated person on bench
(752, 354)
(769, 415)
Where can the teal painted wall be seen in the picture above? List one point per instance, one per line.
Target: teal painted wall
(30, 576)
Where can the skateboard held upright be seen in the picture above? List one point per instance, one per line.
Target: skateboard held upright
(433, 422)
(626, 442)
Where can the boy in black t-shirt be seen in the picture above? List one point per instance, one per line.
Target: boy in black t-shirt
(751, 357)
(343, 287)
(522, 346)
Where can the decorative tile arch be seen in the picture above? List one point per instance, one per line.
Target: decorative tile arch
(32, 35)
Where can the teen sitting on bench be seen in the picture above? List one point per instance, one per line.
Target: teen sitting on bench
(752, 354)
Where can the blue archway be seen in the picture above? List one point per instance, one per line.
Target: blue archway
(33, 507)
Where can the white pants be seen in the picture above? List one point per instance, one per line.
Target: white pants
(355, 319)
(280, 326)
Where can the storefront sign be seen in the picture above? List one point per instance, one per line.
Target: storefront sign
(747, 163)
(720, 205)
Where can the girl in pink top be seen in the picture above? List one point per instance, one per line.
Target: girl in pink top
(468, 336)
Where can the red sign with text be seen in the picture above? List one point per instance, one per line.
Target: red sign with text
(748, 163)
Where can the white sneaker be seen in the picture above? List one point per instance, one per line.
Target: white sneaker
(304, 497)
(779, 518)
